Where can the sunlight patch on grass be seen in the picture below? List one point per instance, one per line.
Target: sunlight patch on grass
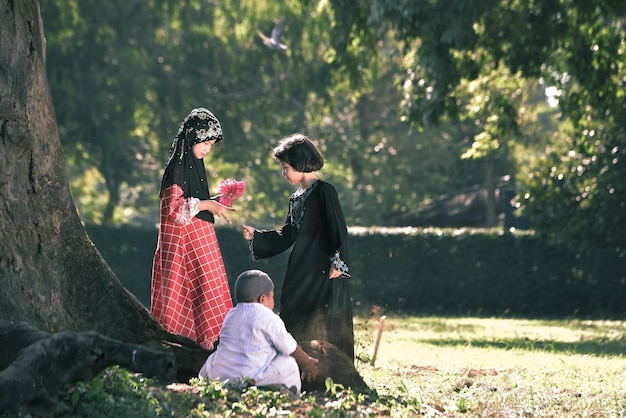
(512, 341)
(515, 366)
(498, 367)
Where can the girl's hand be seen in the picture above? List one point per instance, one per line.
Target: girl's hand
(217, 209)
(333, 273)
(247, 231)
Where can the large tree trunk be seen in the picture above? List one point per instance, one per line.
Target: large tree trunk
(35, 364)
(51, 274)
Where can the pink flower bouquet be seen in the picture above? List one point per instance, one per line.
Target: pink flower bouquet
(230, 189)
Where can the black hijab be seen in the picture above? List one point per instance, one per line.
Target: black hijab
(183, 168)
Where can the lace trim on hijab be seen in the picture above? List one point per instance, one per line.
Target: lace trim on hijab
(188, 210)
(201, 116)
(340, 265)
(203, 134)
(297, 205)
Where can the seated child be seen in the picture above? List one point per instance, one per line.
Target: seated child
(254, 342)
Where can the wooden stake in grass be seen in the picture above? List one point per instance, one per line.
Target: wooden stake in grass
(381, 325)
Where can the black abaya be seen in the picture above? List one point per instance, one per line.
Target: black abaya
(312, 305)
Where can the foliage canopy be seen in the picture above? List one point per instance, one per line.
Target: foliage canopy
(409, 100)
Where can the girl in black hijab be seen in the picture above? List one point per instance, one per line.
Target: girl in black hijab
(190, 292)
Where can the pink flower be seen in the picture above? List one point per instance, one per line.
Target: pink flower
(231, 189)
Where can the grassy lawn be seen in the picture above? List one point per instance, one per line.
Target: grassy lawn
(499, 367)
(425, 366)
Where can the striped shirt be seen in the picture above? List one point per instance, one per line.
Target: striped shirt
(254, 343)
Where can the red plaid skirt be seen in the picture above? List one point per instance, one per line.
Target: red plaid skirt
(190, 292)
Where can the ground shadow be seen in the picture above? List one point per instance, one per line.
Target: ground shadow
(600, 347)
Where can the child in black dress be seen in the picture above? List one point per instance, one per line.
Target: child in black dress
(315, 301)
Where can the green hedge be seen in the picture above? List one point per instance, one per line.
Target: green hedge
(422, 271)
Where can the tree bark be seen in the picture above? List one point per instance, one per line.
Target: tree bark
(491, 219)
(34, 364)
(51, 274)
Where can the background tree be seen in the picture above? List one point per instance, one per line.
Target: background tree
(578, 196)
(108, 69)
(199, 53)
(493, 106)
(573, 44)
(385, 86)
(51, 274)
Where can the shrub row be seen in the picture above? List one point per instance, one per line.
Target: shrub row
(422, 271)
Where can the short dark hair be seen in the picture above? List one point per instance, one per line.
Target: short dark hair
(300, 152)
(251, 284)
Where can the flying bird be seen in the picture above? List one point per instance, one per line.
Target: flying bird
(273, 42)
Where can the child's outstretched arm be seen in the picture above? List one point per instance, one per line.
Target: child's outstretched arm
(307, 364)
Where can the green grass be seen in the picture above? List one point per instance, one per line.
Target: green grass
(425, 366)
(501, 367)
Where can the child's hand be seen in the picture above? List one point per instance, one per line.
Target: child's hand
(216, 208)
(247, 231)
(333, 273)
(221, 211)
(306, 363)
(309, 369)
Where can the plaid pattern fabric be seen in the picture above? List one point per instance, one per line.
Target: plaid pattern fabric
(190, 292)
